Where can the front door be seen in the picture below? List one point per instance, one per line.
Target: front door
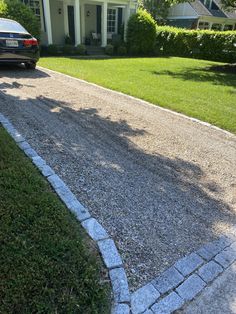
(71, 22)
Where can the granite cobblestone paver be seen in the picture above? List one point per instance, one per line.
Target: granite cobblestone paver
(109, 253)
(209, 250)
(188, 264)
(168, 280)
(79, 210)
(210, 271)
(190, 287)
(30, 153)
(120, 285)
(169, 304)
(24, 145)
(94, 229)
(121, 309)
(226, 257)
(143, 298)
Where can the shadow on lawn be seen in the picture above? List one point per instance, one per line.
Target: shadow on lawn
(207, 74)
(167, 203)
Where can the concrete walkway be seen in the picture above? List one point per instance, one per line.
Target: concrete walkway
(161, 185)
(219, 298)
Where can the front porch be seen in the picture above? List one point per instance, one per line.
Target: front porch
(84, 22)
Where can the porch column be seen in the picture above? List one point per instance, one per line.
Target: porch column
(126, 18)
(47, 16)
(66, 26)
(104, 24)
(77, 23)
(82, 22)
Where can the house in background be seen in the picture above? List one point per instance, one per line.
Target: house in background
(202, 14)
(82, 20)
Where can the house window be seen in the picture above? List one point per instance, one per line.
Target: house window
(111, 20)
(34, 5)
(203, 25)
(216, 27)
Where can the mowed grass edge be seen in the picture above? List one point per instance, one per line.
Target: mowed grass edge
(188, 86)
(47, 263)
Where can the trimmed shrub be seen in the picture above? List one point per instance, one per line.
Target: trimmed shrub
(52, 50)
(80, 50)
(122, 51)
(16, 10)
(109, 50)
(203, 44)
(141, 33)
(68, 50)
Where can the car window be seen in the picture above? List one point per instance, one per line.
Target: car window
(11, 26)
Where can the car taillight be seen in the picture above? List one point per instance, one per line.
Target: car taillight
(30, 42)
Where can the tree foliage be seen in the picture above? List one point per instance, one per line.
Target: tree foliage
(229, 4)
(159, 8)
(15, 10)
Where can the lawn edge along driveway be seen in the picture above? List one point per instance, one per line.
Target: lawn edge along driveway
(189, 86)
(106, 245)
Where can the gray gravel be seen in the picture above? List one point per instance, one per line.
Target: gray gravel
(160, 184)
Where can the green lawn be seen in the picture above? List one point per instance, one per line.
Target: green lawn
(181, 84)
(47, 264)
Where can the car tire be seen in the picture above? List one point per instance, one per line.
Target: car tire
(30, 66)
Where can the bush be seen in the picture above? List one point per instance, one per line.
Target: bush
(68, 50)
(109, 50)
(122, 51)
(52, 50)
(16, 10)
(141, 33)
(80, 50)
(204, 44)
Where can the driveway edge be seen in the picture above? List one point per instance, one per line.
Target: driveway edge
(105, 244)
(144, 102)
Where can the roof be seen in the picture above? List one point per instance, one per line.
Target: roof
(229, 14)
(201, 9)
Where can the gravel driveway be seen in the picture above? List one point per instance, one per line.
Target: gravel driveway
(161, 185)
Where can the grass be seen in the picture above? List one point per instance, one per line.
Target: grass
(47, 264)
(181, 84)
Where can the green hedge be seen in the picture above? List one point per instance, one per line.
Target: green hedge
(15, 10)
(203, 44)
(141, 32)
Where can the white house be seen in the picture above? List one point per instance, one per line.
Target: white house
(82, 20)
(202, 14)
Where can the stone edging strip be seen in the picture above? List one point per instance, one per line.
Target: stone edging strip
(106, 246)
(167, 293)
(183, 281)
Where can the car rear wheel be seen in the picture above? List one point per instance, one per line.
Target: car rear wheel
(30, 66)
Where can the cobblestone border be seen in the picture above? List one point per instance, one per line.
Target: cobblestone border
(175, 287)
(184, 280)
(106, 246)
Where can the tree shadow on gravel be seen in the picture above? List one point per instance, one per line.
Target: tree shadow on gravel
(156, 208)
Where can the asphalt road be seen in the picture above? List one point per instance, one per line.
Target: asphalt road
(161, 184)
